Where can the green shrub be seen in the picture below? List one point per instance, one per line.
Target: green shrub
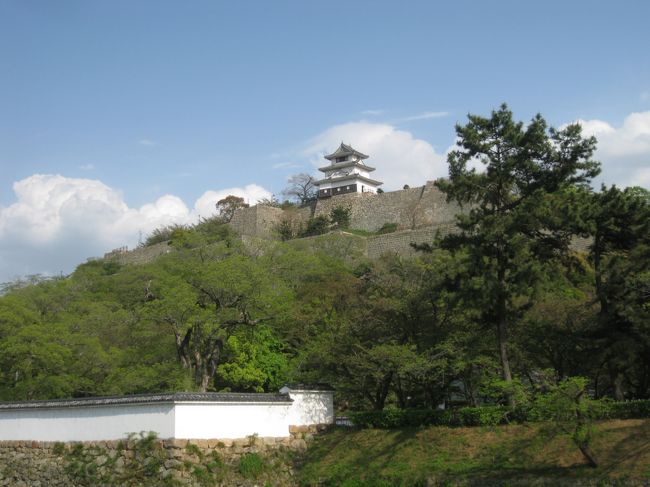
(340, 217)
(387, 228)
(285, 230)
(487, 415)
(316, 226)
(164, 233)
(624, 409)
(251, 465)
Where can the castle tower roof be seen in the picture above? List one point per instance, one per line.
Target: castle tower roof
(345, 150)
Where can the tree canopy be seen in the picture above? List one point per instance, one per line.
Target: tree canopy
(544, 280)
(509, 228)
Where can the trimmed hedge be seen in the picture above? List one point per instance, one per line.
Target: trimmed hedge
(484, 415)
(626, 409)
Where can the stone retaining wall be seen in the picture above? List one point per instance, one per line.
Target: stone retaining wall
(258, 220)
(400, 242)
(411, 208)
(41, 464)
(142, 255)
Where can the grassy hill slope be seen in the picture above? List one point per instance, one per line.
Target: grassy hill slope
(504, 455)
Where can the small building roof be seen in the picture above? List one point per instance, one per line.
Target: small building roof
(235, 397)
(346, 150)
(307, 386)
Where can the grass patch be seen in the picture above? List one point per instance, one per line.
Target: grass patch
(251, 466)
(360, 233)
(499, 455)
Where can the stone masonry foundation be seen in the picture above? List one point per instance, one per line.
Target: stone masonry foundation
(40, 464)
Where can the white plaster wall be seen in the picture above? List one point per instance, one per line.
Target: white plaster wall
(311, 407)
(91, 423)
(231, 420)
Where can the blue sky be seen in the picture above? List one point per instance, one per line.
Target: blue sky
(119, 116)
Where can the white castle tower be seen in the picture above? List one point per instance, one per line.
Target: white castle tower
(346, 173)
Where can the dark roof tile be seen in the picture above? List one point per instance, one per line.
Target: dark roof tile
(150, 398)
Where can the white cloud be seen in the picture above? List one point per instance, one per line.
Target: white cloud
(56, 222)
(147, 142)
(424, 116)
(398, 156)
(624, 151)
(372, 112)
(251, 193)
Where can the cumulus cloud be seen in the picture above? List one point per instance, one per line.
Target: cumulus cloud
(624, 151)
(56, 221)
(251, 193)
(399, 157)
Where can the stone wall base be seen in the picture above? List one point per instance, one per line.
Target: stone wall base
(178, 461)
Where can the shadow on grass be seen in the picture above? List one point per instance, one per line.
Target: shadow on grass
(632, 449)
(351, 465)
(521, 455)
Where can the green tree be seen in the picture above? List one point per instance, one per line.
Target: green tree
(227, 206)
(316, 226)
(340, 217)
(570, 411)
(619, 223)
(205, 301)
(509, 227)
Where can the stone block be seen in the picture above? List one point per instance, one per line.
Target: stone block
(298, 428)
(240, 442)
(298, 445)
(178, 443)
(201, 443)
(216, 443)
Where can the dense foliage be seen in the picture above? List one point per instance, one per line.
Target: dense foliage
(391, 418)
(500, 313)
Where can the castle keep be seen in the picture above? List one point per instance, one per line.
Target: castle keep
(346, 173)
(416, 213)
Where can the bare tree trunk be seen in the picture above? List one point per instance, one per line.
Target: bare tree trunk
(205, 381)
(618, 387)
(586, 452)
(382, 392)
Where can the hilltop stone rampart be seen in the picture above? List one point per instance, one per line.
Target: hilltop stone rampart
(141, 255)
(412, 208)
(419, 213)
